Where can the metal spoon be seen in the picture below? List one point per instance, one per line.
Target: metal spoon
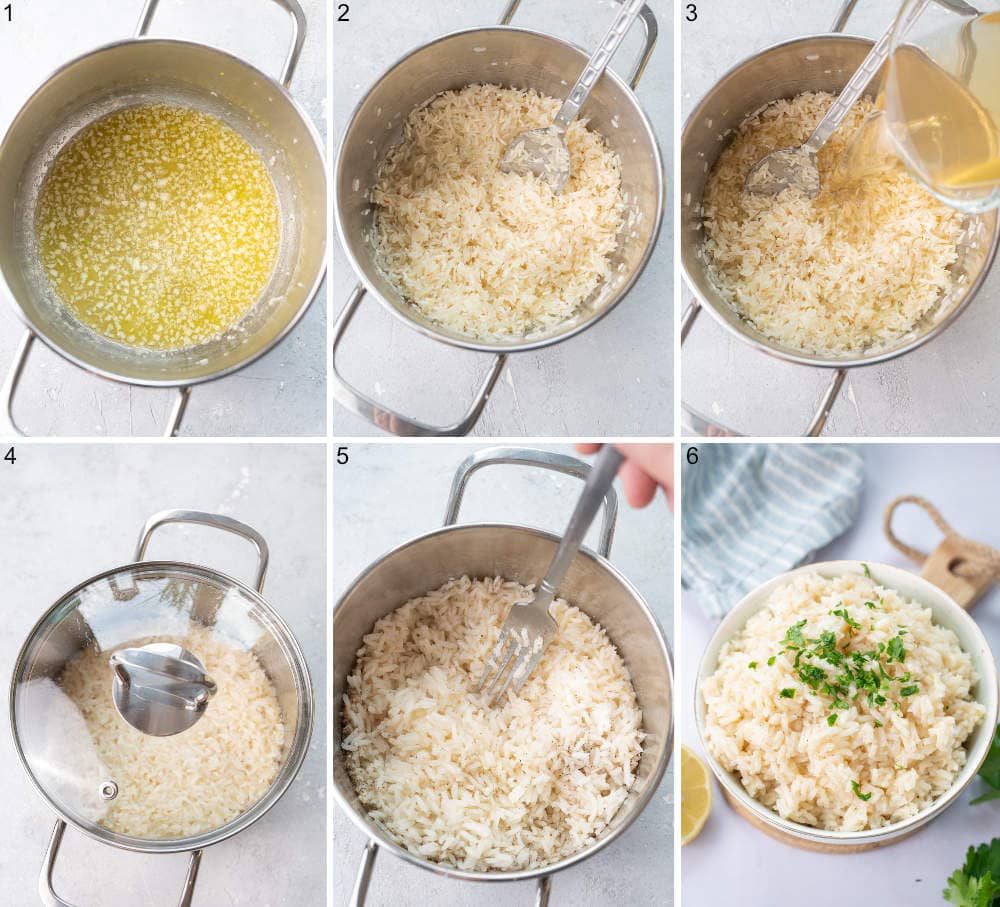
(543, 152)
(795, 168)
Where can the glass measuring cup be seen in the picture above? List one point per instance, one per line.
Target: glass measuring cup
(940, 101)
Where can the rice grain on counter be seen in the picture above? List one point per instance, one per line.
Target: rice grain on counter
(202, 778)
(486, 253)
(453, 780)
(855, 268)
(854, 764)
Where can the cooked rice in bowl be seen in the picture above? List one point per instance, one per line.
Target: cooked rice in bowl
(487, 254)
(854, 269)
(831, 752)
(518, 786)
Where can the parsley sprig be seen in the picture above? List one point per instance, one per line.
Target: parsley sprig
(977, 883)
(990, 773)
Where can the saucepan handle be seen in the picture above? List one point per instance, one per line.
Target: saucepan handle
(351, 398)
(697, 424)
(9, 389)
(650, 30)
(826, 404)
(693, 422)
(847, 10)
(362, 880)
(46, 889)
(523, 456)
(216, 521)
(844, 15)
(293, 9)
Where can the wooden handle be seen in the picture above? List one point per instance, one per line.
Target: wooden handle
(814, 846)
(939, 569)
(961, 568)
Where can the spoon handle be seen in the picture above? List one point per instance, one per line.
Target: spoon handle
(859, 81)
(598, 62)
(602, 474)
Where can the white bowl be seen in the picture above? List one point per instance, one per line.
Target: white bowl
(947, 614)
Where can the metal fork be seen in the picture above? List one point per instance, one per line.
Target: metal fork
(529, 627)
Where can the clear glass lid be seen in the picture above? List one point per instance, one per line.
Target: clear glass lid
(159, 702)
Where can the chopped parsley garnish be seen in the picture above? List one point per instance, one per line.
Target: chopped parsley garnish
(895, 650)
(850, 621)
(829, 668)
(752, 665)
(878, 723)
(793, 636)
(857, 792)
(871, 605)
(868, 572)
(831, 720)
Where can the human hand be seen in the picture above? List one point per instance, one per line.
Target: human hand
(646, 468)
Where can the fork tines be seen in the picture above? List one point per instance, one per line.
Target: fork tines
(511, 660)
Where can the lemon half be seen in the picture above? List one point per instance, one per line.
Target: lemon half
(696, 794)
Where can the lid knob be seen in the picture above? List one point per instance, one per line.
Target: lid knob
(160, 689)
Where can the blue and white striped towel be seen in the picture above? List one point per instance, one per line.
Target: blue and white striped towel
(752, 511)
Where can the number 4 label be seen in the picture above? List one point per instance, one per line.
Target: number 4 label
(9, 456)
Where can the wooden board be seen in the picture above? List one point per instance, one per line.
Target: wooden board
(801, 844)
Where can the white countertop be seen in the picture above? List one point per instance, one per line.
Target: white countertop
(391, 492)
(949, 387)
(284, 393)
(69, 512)
(556, 391)
(731, 862)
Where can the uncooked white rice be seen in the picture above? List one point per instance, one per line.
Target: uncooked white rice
(485, 253)
(202, 778)
(455, 781)
(786, 753)
(853, 269)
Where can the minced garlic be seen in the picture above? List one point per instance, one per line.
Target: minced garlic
(158, 226)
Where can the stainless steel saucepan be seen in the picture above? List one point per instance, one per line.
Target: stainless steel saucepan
(813, 63)
(518, 553)
(132, 604)
(519, 58)
(145, 69)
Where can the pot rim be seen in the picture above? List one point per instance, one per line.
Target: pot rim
(800, 358)
(307, 299)
(373, 831)
(752, 603)
(472, 343)
(247, 818)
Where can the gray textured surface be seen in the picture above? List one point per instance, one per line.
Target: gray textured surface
(390, 493)
(68, 512)
(760, 872)
(282, 394)
(950, 387)
(557, 390)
